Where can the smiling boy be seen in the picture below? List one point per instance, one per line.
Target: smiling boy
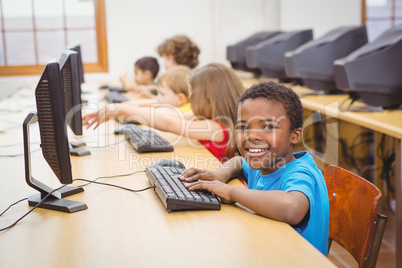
(282, 185)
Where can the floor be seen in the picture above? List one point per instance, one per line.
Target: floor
(386, 257)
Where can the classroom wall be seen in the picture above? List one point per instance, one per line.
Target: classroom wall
(319, 15)
(136, 27)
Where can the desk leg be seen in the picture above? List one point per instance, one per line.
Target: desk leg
(398, 207)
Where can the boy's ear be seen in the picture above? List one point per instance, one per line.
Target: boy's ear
(148, 74)
(182, 98)
(296, 135)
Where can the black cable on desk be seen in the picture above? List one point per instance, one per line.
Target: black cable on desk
(89, 182)
(23, 216)
(108, 177)
(117, 186)
(15, 203)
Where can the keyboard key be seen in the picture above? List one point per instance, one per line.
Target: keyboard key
(177, 196)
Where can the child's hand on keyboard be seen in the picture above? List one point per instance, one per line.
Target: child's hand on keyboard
(217, 187)
(207, 180)
(194, 174)
(95, 118)
(99, 117)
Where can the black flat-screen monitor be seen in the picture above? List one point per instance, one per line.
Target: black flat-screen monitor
(236, 53)
(71, 86)
(313, 62)
(268, 55)
(54, 143)
(77, 48)
(373, 73)
(72, 98)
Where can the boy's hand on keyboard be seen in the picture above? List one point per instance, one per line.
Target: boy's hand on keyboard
(208, 180)
(217, 187)
(97, 118)
(194, 174)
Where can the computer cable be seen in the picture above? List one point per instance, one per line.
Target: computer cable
(348, 150)
(15, 203)
(109, 177)
(343, 103)
(89, 182)
(386, 172)
(32, 209)
(114, 185)
(117, 186)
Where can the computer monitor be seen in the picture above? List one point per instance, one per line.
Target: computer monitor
(54, 143)
(71, 87)
(372, 73)
(313, 62)
(72, 97)
(77, 48)
(268, 55)
(236, 53)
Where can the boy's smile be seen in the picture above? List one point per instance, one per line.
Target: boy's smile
(263, 134)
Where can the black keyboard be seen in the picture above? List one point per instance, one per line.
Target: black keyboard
(115, 97)
(117, 89)
(146, 140)
(174, 195)
(113, 88)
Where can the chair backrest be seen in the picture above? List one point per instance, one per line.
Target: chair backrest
(353, 203)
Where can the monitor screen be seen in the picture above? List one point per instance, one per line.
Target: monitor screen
(51, 114)
(372, 73)
(268, 55)
(54, 143)
(236, 53)
(71, 87)
(313, 62)
(77, 48)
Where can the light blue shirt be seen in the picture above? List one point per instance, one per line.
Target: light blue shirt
(300, 175)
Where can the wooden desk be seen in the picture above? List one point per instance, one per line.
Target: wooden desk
(386, 122)
(124, 229)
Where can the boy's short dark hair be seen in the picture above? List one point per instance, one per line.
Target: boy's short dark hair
(148, 63)
(279, 93)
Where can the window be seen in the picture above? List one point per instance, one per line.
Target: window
(34, 31)
(380, 15)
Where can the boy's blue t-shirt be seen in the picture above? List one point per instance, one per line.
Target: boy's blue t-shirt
(300, 175)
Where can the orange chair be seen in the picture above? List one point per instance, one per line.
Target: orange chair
(353, 222)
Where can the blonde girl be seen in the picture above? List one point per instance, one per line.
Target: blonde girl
(214, 90)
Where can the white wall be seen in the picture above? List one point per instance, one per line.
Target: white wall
(319, 15)
(136, 27)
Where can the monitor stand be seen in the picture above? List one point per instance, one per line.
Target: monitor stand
(78, 152)
(55, 200)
